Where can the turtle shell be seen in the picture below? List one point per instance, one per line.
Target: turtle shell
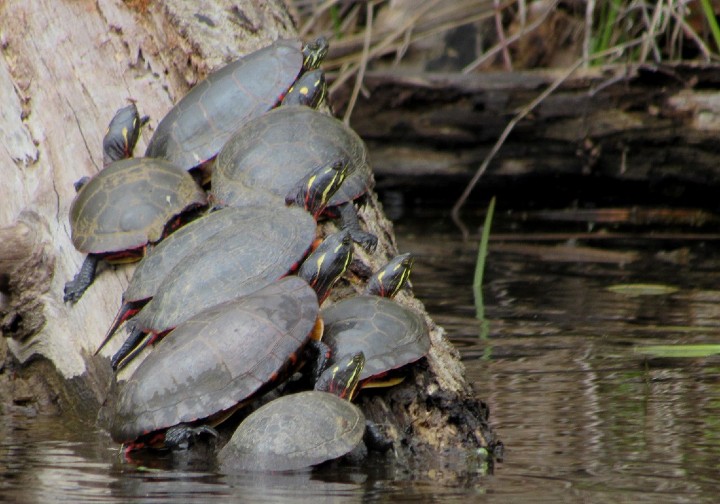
(156, 265)
(203, 120)
(270, 154)
(389, 334)
(230, 264)
(128, 204)
(294, 432)
(217, 359)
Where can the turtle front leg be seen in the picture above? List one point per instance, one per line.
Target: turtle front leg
(349, 220)
(182, 436)
(75, 288)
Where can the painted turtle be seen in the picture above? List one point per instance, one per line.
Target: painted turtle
(128, 204)
(248, 267)
(267, 237)
(309, 195)
(218, 271)
(268, 154)
(300, 430)
(389, 334)
(202, 121)
(214, 361)
(122, 134)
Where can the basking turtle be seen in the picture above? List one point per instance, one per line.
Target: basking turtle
(213, 362)
(218, 271)
(202, 121)
(390, 335)
(270, 242)
(270, 153)
(128, 204)
(300, 430)
(229, 263)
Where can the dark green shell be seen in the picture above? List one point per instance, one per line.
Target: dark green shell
(231, 263)
(270, 154)
(293, 432)
(173, 250)
(128, 204)
(389, 334)
(201, 122)
(217, 359)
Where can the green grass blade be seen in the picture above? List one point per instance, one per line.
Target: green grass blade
(679, 351)
(480, 270)
(712, 21)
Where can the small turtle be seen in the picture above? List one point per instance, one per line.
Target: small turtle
(390, 335)
(300, 430)
(129, 204)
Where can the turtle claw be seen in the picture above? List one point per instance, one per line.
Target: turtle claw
(368, 241)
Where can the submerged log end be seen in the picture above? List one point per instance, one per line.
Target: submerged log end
(433, 417)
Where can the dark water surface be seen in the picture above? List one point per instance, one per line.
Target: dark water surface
(584, 415)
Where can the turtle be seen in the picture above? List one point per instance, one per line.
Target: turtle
(129, 204)
(268, 154)
(300, 430)
(390, 335)
(195, 129)
(262, 254)
(218, 271)
(214, 362)
(122, 134)
(278, 237)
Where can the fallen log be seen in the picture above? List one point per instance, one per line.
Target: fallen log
(62, 86)
(625, 124)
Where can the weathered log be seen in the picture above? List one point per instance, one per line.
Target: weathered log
(624, 123)
(64, 71)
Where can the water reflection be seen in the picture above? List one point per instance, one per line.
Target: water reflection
(582, 413)
(584, 417)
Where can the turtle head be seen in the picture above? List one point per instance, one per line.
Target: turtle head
(392, 277)
(122, 134)
(314, 191)
(343, 377)
(327, 263)
(310, 90)
(314, 53)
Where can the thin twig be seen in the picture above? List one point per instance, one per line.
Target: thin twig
(501, 35)
(455, 213)
(589, 10)
(500, 141)
(363, 64)
(500, 47)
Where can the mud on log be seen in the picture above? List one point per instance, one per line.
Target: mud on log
(63, 73)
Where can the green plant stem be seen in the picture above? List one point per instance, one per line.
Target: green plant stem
(480, 269)
(712, 21)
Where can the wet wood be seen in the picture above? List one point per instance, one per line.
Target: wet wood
(60, 86)
(640, 123)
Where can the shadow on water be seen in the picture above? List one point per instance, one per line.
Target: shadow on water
(583, 414)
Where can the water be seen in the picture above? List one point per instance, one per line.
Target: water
(583, 414)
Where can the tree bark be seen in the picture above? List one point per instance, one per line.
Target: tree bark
(66, 67)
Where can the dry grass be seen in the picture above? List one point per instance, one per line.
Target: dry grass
(510, 34)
